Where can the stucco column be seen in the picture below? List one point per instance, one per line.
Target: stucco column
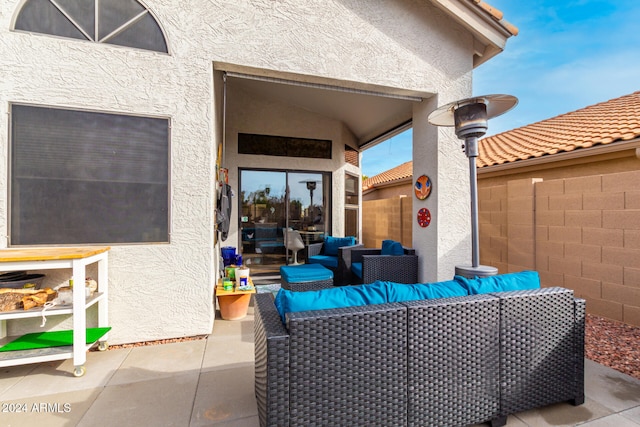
(437, 153)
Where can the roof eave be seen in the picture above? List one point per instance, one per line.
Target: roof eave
(490, 33)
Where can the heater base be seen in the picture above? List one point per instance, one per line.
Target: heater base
(471, 272)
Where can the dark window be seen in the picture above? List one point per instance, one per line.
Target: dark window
(351, 222)
(283, 146)
(120, 22)
(80, 177)
(351, 210)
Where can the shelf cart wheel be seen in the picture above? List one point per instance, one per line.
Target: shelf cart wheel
(79, 371)
(103, 345)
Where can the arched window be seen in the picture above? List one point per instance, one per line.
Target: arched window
(120, 22)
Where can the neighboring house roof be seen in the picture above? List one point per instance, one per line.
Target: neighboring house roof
(604, 123)
(399, 173)
(608, 122)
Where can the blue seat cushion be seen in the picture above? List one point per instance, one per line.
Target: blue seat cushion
(523, 280)
(331, 244)
(305, 273)
(327, 261)
(391, 247)
(356, 268)
(346, 296)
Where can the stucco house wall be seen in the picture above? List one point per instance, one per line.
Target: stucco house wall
(166, 290)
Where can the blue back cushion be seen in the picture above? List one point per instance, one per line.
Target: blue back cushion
(391, 247)
(379, 292)
(523, 280)
(348, 296)
(331, 244)
(398, 292)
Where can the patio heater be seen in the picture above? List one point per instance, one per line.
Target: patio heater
(311, 185)
(469, 117)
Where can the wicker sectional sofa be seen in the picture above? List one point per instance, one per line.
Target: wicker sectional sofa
(437, 362)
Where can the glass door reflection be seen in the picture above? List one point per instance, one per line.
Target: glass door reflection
(307, 205)
(274, 201)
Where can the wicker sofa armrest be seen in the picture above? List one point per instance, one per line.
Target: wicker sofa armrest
(542, 348)
(409, 251)
(394, 268)
(314, 249)
(342, 275)
(580, 306)
(454, 361)
(358, 253)
(271, 363)
(348, 366)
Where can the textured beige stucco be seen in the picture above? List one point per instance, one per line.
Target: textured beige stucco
(165, 290)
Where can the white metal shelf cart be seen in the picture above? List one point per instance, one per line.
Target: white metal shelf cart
(76, 259)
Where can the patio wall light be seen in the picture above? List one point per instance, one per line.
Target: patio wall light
(469, 116)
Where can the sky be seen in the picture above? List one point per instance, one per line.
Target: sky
(568, 55)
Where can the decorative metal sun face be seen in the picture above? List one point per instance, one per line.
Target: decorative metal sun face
(422, 187)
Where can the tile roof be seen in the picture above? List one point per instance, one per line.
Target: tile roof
(404, 171)
(604, 123)
(497, 15)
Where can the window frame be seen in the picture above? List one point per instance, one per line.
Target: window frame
(352, 206)
(10, 153)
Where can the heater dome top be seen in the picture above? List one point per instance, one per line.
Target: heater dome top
(496, 105)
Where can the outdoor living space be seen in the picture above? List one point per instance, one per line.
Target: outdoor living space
(209, 381)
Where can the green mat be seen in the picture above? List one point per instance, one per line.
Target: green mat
(51, 339)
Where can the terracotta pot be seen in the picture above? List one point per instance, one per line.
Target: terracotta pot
(233, 307)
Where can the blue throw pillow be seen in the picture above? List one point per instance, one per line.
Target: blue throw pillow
(331, 244)
(391, 247)
(347, 296)
(399, 292)
(523, 280)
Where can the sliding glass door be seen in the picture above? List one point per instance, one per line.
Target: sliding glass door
(272, 201)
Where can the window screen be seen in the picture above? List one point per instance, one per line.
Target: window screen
(120, 22)
(351, 189)
(86, 177)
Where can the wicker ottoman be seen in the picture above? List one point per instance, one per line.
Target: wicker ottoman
(306, 277)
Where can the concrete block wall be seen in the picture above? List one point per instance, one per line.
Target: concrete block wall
(581, 233)
(492, 220)
(386, 219)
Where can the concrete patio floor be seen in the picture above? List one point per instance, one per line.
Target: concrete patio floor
(209, 382)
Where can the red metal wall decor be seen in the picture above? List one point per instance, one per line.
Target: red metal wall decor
(424, 217)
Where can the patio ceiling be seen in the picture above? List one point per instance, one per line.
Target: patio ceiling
(370, 114)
